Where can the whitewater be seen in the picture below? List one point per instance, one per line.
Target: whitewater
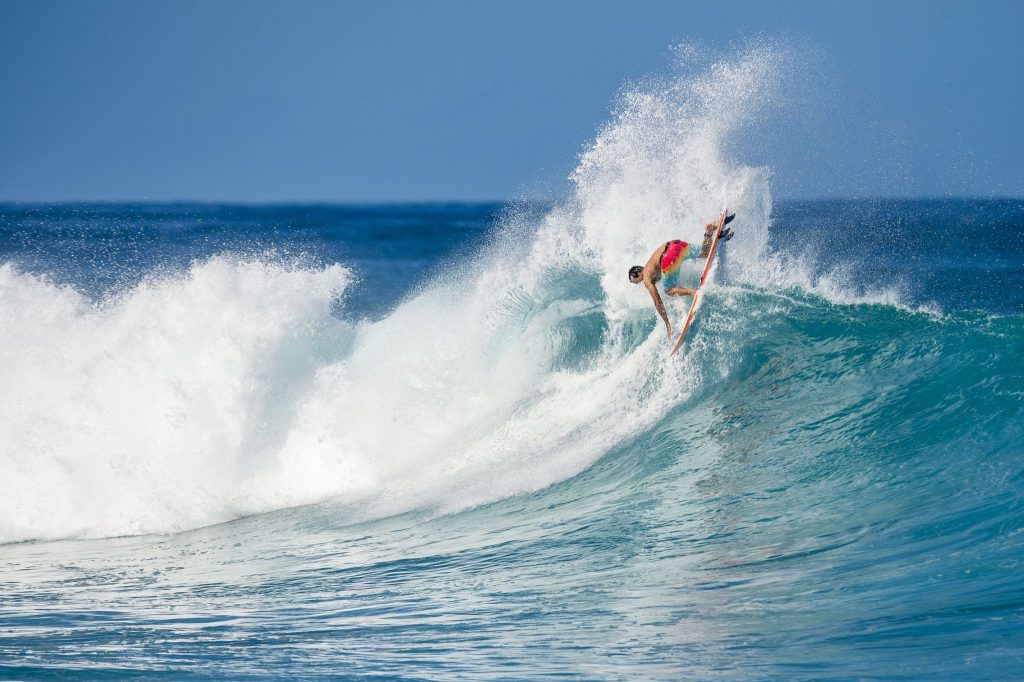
(447, 441)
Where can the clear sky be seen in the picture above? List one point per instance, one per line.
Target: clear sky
(384, 100)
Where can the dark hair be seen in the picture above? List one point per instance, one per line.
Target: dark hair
(635, 272)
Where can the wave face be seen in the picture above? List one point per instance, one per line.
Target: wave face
(447, 441)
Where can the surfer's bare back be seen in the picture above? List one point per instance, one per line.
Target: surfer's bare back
(664, 266)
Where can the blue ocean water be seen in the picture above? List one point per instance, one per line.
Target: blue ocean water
(838, 496)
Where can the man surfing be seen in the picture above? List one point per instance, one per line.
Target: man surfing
(665, 263)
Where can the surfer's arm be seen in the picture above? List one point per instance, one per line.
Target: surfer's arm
(659, 306)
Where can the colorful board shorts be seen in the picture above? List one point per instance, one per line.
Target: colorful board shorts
(672, 258)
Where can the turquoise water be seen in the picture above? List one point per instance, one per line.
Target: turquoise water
(221, 463)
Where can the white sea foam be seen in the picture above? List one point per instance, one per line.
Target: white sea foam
(151, 411)
(231, 390)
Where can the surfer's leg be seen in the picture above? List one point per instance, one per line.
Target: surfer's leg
(673, 285)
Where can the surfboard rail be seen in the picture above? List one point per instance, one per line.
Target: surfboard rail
(703, 276)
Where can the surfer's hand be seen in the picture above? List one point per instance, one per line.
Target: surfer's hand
(726, 235)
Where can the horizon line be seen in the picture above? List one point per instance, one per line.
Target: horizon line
(449, 202)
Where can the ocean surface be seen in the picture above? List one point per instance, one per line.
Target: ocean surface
(447, 441)
(224, 455)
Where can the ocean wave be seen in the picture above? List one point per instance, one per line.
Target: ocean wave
(232, 387)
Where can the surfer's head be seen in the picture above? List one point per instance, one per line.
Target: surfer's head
(636, 273)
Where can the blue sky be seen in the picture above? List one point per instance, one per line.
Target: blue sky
(398, 101)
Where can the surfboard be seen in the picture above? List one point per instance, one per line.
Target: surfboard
(703, 276)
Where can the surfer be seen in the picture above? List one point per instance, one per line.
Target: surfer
(664, 266)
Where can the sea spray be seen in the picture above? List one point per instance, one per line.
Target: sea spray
(151, 410)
